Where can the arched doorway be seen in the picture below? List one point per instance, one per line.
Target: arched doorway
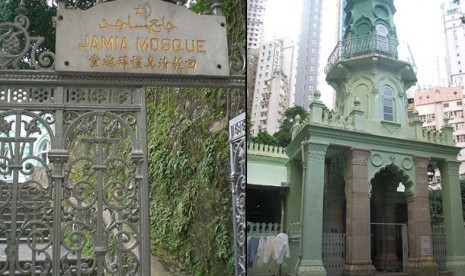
(389, 218)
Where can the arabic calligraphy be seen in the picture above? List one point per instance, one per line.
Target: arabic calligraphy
(155, 25)
(156, 51)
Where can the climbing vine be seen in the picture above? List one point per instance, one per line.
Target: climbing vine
(190, 197)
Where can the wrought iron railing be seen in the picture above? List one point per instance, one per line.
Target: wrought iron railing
(367, 45)
(257, 229)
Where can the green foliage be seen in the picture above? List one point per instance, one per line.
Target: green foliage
(436, 204)
(189, 198)
(283, 136)
(40, 15)
(264, 138)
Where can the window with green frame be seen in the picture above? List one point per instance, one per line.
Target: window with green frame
(388, 103)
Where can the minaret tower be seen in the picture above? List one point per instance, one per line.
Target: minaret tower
(367, 156)
(369, 63)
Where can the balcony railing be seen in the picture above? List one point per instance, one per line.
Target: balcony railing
(367, 45)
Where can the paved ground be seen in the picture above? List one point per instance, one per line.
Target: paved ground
(157, 269)
(381, 273)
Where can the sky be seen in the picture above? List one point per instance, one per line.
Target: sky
(421, 30)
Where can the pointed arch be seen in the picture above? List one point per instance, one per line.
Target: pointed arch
(401, 174)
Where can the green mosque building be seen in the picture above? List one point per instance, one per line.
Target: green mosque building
(361, 169)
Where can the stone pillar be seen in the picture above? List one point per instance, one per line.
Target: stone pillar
(312, 208)
(358, 243)
(453, 218)
(420, 261)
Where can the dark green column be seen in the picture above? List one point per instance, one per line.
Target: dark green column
(453, 217)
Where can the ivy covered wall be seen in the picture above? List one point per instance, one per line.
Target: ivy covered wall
(190, 196)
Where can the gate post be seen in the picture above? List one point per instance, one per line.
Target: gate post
(311, 263)
(58, 157)
(237, 130)
(358, 243)
(420, 261)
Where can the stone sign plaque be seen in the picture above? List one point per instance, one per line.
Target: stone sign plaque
(141, 37)
(425, 245)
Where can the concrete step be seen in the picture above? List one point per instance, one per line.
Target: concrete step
(383, 273)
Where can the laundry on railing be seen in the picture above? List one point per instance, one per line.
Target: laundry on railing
(274, 248)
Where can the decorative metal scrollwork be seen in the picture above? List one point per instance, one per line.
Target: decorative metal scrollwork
(17, 46)
(26, 209)
(237, 132)
(238, 60)
(102, 208)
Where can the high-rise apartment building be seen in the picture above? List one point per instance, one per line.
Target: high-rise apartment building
(308, 52)
(252, 62)
(455, 42)
(255, 19)
(434, 104)
(273, 82)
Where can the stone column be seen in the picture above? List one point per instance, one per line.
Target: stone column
(358, 243)
(312, 209)
(420, 261)
(453, 218)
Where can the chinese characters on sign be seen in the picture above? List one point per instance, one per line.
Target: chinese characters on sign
(137, 62)
(151, 37)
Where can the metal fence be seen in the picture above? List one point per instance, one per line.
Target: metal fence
(437, 227)
(439, 247)
(258, 229)
(334, 253)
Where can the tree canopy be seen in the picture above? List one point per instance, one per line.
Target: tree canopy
(283, 136)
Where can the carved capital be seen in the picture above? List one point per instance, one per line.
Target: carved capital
(449, 167)
(58, 155)
(358, 157)
(421, 163)
(314, 151)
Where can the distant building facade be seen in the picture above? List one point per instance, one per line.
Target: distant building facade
(308, 53)
(437, 103)
(455, 42)
(273, 83)
(255, 19)
(252, 63)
